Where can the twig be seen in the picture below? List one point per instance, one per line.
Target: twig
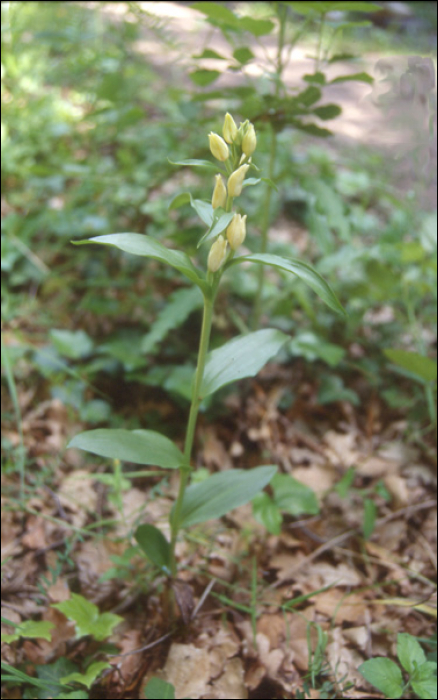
(147, 646)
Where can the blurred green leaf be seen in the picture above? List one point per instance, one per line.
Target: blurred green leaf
(293, 497)
(154, 545)
(267, 513)
(204, 77)
(87, 618)
(88, 678)
(71, 344)
(369, 517)
(243, 54)
(420, 365)
(157, 689)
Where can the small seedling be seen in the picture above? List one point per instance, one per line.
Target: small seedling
(345, 488)
(58, 678)
(387, 676)
(240, 357)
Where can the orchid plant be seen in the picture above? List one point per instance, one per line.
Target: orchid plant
(243, 356)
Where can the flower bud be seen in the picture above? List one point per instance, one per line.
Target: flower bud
(217, 254)
(218, 146)
(236, 231)
(235, 181)
(219, 198)
(230, 129)
(249, 141)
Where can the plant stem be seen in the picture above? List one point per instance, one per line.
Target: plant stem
(257, 308)
(193, 415)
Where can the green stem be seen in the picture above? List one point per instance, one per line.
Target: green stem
(257, 308)
(193, 415)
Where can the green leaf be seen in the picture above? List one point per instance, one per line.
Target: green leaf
(345, 482)
(305, 8)
(356, 6)
(220, 222)
(72, 344)
(293, 497)
(222, 492)
(257, 27)
(301, 270)
(51, 674)
(312, 129)
(266, 512)
(318, 78)
(138, 244)
(269, 182)
(138, 446)
(424, 681)
(218, 13)
(384, 675)
(197, 163)
(180, 200)
(313, 347)
(420, 365)
(154, 545)
(332, 389)
(203, 77)
(369, 517)
(308, 96)
(360, 77)
(157, 689)
(87, 617)
(209, 53)
(149, 247)
(326, 112)
(180, 305)
(15, 676)
(243, 54)
(204, 210)
(410, 652)
(90, 675)
(32, 629)
(241, 357)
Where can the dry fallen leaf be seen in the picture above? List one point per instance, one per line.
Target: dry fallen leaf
(188, 669)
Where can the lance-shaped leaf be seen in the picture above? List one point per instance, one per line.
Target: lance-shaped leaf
(302, 270)
(204, 210)
(198, 163)
(138, 244)
(241, 357)
(138, 446)
(154, 545)
(424, 368)
(222, 492)
(220, 222)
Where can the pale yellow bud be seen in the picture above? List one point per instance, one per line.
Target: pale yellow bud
(236, 231)
(217, 254)
(249, 141)
(218, 146)
(219, 198)
(235, 181)
(230, 129)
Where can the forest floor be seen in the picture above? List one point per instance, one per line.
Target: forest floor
(261, 615)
